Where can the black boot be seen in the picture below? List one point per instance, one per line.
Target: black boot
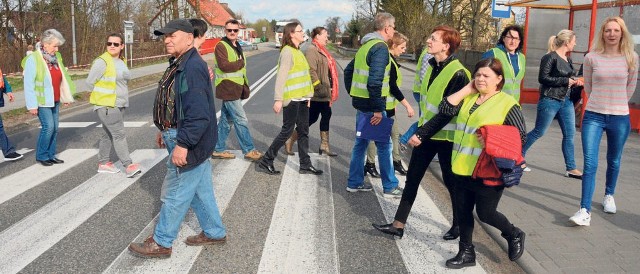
(452, 234)
(371, 169)
(466, 257)
(516, 243)
(389, 229)
(397, 166)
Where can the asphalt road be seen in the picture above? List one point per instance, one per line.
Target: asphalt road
(69, 219)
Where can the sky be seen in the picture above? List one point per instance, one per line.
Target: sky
(311, 13)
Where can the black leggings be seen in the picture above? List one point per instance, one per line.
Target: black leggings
(315, 110)
(471, 192)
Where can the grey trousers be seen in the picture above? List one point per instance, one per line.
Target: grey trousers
(113, 124)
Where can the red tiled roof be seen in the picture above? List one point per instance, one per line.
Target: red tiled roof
(212, 11)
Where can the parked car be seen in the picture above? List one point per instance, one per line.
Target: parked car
(244, 43)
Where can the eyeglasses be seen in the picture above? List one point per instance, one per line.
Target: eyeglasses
(233, 30)
(393, 27)
(299, 31)
(512, 38)
(433, 39)
(113, 44)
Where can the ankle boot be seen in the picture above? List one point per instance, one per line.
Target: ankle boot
(288, 145)
(371, 169)
(466, 257)
(397, 166)
(516, 243)
(324, 144)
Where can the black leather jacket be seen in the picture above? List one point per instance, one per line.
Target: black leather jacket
(554, 76)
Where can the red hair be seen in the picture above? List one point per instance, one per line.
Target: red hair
(449, 36)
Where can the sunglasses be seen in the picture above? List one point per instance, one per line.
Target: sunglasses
(233, 30)
(113, 44)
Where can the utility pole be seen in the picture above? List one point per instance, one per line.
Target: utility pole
(73, 32)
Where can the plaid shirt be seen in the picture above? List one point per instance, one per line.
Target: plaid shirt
(164, 105)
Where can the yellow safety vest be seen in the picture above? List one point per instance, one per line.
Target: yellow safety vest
(298, 84)
(431, 96)
(511, 81)
(361, 72)
(42, 70)
(104, 91)
(392, 102)
(466, 147)
(239, 77)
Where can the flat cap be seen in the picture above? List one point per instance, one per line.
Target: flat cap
(173, 26)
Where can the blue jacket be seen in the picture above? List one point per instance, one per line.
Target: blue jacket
(196, 113)
(5, 89)
(377, 59)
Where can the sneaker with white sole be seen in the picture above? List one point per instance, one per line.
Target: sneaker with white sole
(526, 169)
(609, 204)
(107, 167)
(223, 155)
(582, 217)
(395, 193)
(13, 156)
(362, 187)
(133, 170)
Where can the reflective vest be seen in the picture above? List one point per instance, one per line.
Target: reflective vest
(511, 81)
(416, 80)
(104, 91)
(67, 87)
(298, 84)
(392, 102)
(240, 76)
(431, 96)
(466, 147)
(361, 72)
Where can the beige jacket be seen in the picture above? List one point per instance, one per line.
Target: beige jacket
(319, 70)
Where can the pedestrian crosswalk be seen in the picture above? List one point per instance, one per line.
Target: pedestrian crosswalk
(301, 238)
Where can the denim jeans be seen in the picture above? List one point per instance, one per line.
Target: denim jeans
(548, 108)
(183, 189)
(234, 112)
(5, 144)
(46, 148)
(617, 128)
(356, 166)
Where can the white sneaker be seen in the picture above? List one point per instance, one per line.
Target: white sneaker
(526, 169)
(582, 217)
(609, 204)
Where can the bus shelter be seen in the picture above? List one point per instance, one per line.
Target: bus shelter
(545, 18)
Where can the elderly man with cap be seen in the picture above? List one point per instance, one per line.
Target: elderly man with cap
(184, 113)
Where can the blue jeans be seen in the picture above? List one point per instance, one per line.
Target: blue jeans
(5, 144)
(356, 166)
(617, 128)
(46, 148)
(183, 189)
(233, 110)
(548, 108)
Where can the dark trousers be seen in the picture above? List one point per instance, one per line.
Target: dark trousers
(421, 157)
(320, 108)
(471, 192)
(295, 115)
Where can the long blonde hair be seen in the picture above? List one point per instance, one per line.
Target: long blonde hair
(563, 37)
(626, 44)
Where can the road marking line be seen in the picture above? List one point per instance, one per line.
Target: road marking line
(301, 236)
(131, 124)
(226, 178)
(21, 181)
(260, 83)
(422, 248)
(26, 240)
(73, 124)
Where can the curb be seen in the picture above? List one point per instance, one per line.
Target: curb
(526, 262)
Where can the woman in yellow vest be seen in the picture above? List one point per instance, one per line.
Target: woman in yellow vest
(479, 103)
(46, 85)
(107, 81)
(293, 90)
(508, 51)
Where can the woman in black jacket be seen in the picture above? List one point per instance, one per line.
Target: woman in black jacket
(556, 78)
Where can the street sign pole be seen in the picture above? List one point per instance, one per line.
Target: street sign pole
(128, 40)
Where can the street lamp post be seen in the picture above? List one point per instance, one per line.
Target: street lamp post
(73, 33)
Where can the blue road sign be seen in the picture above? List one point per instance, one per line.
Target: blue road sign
(499, 9)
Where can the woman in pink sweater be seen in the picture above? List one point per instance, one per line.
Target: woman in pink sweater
(610, 77)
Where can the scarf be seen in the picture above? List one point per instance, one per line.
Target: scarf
(51, 59)
(333, 70)
(1, 80)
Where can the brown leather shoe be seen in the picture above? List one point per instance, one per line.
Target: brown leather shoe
(149, 249)
(202, 239)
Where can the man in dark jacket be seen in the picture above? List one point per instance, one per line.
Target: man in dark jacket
(185, 114)
(368, 90)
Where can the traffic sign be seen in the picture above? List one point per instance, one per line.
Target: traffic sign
(499, 9)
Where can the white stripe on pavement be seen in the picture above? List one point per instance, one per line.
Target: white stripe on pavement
(301, 236)
(73, 124)
(36, 174)
(422, 248)
(131, 124)
(226, 177)
(26, 240)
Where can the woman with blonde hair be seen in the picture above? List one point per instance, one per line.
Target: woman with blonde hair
(556, 77)
(610, 78)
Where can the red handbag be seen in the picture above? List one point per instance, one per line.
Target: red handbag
(500, 141)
